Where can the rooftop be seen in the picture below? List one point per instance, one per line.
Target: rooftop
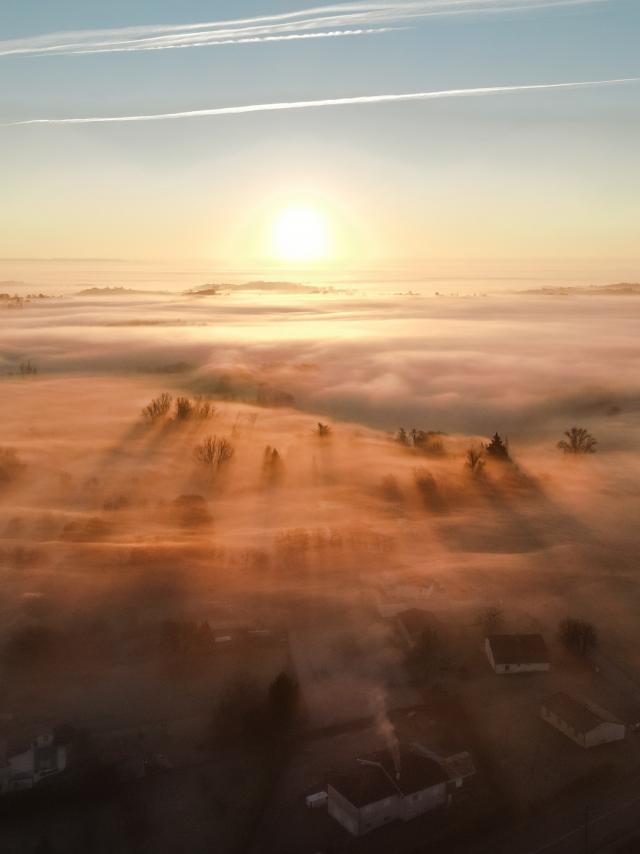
(582, 715)
(518, 649)
(369, 783)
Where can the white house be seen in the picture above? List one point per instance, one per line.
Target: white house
(517, 653)
(380, 790)
(23, 766)
(581, 720)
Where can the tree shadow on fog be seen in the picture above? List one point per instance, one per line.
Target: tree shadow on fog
(525, 518)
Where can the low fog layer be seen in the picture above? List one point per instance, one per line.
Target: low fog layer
(99, 492)
(175, 470)
(521, 364)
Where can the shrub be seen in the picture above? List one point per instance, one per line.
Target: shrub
(158, 407)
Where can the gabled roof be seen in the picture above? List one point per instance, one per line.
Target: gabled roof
(370, 782)
(582, 715)
(518, 649)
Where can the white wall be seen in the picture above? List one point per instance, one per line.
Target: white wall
(608, 731)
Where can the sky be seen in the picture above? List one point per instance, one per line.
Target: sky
(523, 180)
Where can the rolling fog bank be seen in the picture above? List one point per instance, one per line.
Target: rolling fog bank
(524, 364)
(198, 494)
(119, 514)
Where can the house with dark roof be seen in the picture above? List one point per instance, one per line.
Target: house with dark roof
(23, 765)
(581, 720)
(380, 790)
(517, 653)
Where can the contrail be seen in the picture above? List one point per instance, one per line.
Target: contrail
(327, 102)
(340, 19)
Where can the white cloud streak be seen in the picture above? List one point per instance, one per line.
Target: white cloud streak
(328, 102)
(342, 19)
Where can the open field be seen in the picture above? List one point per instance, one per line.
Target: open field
(114, 534)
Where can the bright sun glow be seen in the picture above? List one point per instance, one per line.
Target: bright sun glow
(300, 234)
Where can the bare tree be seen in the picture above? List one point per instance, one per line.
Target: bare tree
(272, 466)
(184, 408)
(322, 430)
(474, 461)
(203, 409)
(578, 636)
(401, 437)
(158, 407)
(578, 441)
(214, 452)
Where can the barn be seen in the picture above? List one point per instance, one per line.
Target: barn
(581, 720)
(517, 653)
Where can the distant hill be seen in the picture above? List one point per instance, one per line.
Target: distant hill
(617, 289)
(214, 289)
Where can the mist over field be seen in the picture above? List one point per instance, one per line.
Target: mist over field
(319, 427)
(115, 526)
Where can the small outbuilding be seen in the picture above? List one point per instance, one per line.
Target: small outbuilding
(517, 653)
(581, 720)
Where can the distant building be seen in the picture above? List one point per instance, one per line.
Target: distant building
(517, 653)
(380, 790)
(396, 594)
(581, 720)
(24, 765)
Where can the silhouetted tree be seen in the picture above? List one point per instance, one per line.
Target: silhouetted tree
(497, 448)
(184, 408)
(474, 461)
(428, 488)
(578, 441)
(428, 442)
(323, 430)
(203, 409)
(402, 437)
(272, 465)
(214, 452)
(27, 368)
(578, 636)
(158, 407)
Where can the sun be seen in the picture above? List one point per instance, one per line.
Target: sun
(300, 233)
